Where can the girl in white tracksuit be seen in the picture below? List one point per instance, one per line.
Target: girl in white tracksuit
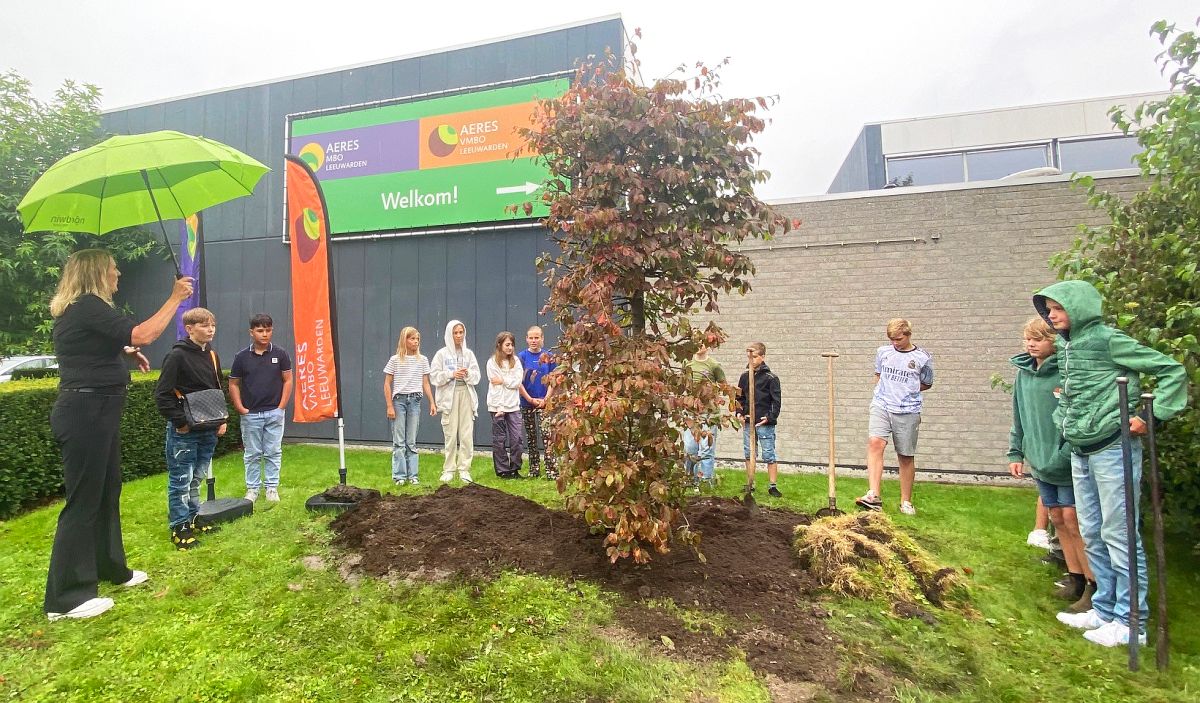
(454, 372)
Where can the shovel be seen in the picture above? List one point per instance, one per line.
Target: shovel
(1162, 642)
(831, 510)
(214, 510)
(1135, 620)
(748, 498)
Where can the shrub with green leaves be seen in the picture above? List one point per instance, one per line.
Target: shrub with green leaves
(1143, 261)
(30, 462)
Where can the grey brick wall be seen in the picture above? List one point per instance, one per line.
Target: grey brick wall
(959, 263)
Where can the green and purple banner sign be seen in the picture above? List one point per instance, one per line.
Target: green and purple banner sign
(428, 163)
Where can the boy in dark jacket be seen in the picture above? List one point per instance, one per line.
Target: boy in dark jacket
(768, 401)
(1034, 440)
(191, 365)
(1092, 356)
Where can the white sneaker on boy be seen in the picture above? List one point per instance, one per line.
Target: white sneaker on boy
(1112, 634)
(1087, 620)
(465, 476)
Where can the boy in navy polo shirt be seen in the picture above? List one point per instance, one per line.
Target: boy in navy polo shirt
(534, 392)
(260, 385)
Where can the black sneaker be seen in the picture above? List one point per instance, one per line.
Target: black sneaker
(870, 502)
(183, 538)
(203, 528)
(774, 492)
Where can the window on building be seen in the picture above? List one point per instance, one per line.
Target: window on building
(927, 170)
(1106, 154)
(997, 163)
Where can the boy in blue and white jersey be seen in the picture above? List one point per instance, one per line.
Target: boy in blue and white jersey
(902, 371)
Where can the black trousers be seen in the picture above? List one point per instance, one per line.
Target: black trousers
(87, 543)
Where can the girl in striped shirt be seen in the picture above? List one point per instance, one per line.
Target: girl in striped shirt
(405, 380)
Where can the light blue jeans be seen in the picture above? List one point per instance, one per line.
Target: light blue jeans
(706, 450)
(1099, 482)
(404, 435)
(262, 436)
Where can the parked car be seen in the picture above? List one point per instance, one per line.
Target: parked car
(12, 363)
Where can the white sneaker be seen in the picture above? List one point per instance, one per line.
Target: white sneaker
(414, 481)
(1039, 539)
(1112, 634)
(272, 494)
(1087, 620)
(87, 609)
(447, 476)
(907, 508)
(138, 578)
(252, 494)
(465, 477)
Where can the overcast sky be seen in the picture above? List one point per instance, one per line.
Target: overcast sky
(835, 66)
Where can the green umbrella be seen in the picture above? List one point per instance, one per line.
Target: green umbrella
(136, 179)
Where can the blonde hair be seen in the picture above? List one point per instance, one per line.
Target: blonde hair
(499, 355)
(534, 327)
(405, 333)
(1037, 328)
(758, 347)
(195, 316)
(85, 273)
(897, 326)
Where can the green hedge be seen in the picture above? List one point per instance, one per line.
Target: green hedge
(30, 463)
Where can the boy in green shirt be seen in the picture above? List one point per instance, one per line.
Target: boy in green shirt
(1034, 440)
(1092, 356)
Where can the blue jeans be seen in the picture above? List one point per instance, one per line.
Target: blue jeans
(404, 435)
(765, 442)
(188, 456)
(262, 436)
(1099, 482)
(706, 450)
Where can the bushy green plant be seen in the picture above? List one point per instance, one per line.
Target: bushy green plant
(30, 462)
(1144, 260)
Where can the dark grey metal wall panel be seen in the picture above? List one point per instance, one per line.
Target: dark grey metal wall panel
(406, 78)
(376, 82)
(378, 337)
(550, 49)
(432, 71)
(518, 56)
(350, 279)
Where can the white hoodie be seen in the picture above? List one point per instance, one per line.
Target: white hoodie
(504, 396)
(441, 371)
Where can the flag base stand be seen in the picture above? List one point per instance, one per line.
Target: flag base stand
(215, 511)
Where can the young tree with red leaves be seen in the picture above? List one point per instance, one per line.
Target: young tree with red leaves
(650, 188)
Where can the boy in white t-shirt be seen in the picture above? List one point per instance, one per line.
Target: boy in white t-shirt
(902, 372)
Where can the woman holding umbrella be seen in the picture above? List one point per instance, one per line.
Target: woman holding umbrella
(92, 341)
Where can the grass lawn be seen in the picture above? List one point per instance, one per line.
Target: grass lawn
(244, 617)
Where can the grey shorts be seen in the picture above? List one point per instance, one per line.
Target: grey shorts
(900, 429)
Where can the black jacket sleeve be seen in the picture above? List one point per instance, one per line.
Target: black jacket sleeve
(774, 400)
(743, 396)
(164, 391)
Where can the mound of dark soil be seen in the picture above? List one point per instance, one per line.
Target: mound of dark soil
(750, 575)
(349, 494)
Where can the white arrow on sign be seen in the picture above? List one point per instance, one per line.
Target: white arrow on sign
(526, 189)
